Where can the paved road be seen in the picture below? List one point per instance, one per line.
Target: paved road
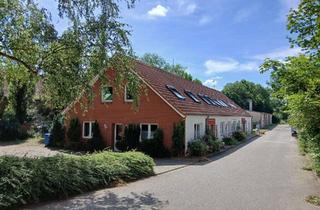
(263, 174)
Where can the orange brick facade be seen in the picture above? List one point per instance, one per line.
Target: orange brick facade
(152, 109)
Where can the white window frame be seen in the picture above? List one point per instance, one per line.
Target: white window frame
(90, 130)
(125, 95)
(101, 92)
(149, 129)
(196, 130)
(222, 129)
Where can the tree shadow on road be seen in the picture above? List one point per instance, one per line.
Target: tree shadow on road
(109, 200)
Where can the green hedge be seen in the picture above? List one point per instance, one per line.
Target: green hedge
(26, 180)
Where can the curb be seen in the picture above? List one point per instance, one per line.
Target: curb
(206, 158)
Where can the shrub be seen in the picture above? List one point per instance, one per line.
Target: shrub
(155, 147)
(229, 141)
(74, 131)
(239, 136)
(198, 148)
(27, 180)
(97, 141)
(11, 129)
(57, 133)
(132, 136)
(178, 145)
(211, 141)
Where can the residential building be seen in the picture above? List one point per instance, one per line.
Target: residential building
(169, 99)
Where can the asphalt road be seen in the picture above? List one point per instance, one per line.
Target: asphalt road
(266, 173)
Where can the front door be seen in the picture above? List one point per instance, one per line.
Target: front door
(118, 135)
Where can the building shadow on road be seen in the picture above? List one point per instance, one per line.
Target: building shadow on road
(109, 200)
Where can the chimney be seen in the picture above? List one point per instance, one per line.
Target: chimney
(250, 104)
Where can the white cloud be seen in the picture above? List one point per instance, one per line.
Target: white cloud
(205, 20)
(278, 54)
(212, 82)
(158, 11)
(228, 65)
(191, 8)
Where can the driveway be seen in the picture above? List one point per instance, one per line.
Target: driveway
(266, 173)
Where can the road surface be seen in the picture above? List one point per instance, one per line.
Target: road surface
(265, 173)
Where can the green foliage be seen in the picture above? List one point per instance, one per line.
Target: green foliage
(3, 102)
(239, 136)
(132, 136)
(97, 141)
(155, 147)
(243, 90)
(157, 61)
(11, 129)
(304, 25)
(28, 180)
(178, 144)
(198, 148)
(57, 133)
(30, 41)
(211, 141)
(74, 131)
(229, 141)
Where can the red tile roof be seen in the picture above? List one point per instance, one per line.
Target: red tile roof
(158, 79)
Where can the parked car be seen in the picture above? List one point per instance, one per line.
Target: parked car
(294, 132)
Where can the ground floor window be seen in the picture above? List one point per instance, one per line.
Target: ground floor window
(147, 131)
(87, 130)
(196, 128)
(222, 129)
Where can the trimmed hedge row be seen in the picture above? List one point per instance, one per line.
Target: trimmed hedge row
(27, 180)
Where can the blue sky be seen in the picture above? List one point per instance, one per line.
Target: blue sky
(220, 41)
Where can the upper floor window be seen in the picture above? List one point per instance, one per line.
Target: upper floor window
(106, 94)
(176, 92)
(128, 95)
(192, 96)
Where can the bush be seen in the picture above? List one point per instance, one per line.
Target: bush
(239, 136)
(27, 180)
(178, 145)
(11, 129)
(97, 141)
(229, 141)
(132, 136)
(211, 141)
(74, 131)
(57, 133)
(198, 148)
(155, 147)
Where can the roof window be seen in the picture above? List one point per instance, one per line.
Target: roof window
(175, 92)
(192, 96)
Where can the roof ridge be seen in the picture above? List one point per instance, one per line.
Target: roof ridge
(177, 76)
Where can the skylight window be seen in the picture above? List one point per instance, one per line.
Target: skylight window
(175, 92)
(192, 96)
(214, 102)
(204, 98)
(223, 103)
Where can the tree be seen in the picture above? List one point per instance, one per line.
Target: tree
(68, 62)
(242, 91)
(296, 81)
(157, 61)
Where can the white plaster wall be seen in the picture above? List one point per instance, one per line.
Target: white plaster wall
(189, 126)
(230, 119)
